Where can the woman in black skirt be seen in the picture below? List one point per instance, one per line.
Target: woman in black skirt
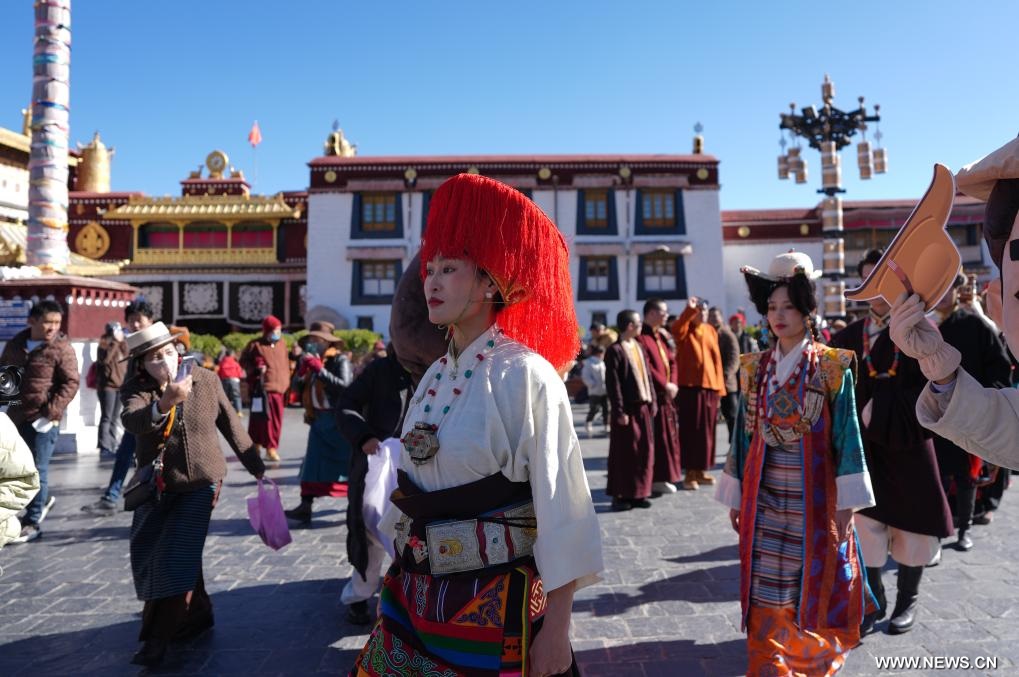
(176, 417)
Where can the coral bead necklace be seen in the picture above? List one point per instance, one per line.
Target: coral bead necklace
(422, 442)
(871, 371)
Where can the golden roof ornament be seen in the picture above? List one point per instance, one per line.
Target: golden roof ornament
(94, 167)
(337, 145)
(698, 139)
(217, 162)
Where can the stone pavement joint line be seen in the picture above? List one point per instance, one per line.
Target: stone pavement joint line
(667, 605)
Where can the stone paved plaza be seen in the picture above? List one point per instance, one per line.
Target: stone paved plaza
(667, 605)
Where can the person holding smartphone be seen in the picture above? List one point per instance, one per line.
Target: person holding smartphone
(177, 413)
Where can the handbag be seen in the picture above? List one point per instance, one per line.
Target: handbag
(142, 486)
(265, 512)
(92, 376)
(144, 483)
(258, 399)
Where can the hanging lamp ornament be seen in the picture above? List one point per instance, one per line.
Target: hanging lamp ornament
(880, 155)
(783, 160)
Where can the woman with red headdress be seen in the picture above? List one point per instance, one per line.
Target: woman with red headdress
(493, 521)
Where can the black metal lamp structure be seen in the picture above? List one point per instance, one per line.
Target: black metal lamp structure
(829, 130)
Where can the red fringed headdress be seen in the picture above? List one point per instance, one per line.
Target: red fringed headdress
(508, 236)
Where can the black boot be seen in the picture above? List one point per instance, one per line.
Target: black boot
(904, 614)
(878, 588)
(301, 513)
(964, 501)
(151, 654)
(357, 614)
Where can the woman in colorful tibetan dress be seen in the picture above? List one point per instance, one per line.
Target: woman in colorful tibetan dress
(794, 476)
(494, 525)
(324, 372)
(177, 424)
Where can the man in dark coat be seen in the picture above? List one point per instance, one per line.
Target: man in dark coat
(729, 347)
(632, 402)
(912, 512)
(369, 411)
(49, 383)
(983, 358)
(661, 361)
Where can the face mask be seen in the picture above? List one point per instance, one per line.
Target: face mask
(163, 370)
(275, 336)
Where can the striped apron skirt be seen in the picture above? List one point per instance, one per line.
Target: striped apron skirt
(478, 623)
(167, 539)
(775, 642)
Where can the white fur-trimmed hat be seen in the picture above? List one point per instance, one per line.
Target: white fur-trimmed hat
(784, 266)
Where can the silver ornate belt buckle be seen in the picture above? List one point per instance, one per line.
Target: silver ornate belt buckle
(468, 545)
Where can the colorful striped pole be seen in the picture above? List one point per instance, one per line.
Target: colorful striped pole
(47, 164)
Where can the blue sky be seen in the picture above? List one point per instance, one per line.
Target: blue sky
(166, 82)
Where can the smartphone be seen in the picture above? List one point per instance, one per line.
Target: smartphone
(184, 370)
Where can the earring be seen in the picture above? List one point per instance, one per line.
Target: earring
(489, 295)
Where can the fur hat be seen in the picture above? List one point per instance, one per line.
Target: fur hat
(792, 269)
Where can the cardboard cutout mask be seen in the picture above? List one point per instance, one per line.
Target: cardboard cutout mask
(922, 258)
(995, 179)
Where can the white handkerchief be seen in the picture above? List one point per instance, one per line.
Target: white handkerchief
(42, 425)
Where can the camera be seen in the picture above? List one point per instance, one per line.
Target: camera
(10, 385)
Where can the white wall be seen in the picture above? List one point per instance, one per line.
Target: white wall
(705, 273)
(329, 271)
(330, 249)
(330, 253)
(13, 192)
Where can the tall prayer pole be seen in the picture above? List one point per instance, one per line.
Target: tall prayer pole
(47, 164)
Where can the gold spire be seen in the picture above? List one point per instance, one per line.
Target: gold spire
(94, 170)
(337, 145)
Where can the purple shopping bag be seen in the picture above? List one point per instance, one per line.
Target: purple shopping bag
(265, 512)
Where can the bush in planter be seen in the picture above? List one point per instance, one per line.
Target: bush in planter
(207, 344)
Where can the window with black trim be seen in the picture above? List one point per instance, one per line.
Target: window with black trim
(660, 211)
(375, 281)
(596, 212)
(661, 275)
(366, 322)
(598, 278)
(376, 215)
(964, 235)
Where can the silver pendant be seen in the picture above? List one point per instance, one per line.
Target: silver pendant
(422, 442)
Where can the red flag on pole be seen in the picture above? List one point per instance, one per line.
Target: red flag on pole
(255, 135)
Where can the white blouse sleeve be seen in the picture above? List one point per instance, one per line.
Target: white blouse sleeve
(568, 546)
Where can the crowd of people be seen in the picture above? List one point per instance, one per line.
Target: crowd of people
(829, 469)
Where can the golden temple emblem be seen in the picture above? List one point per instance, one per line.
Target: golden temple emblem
(92, 241)
(217, 162)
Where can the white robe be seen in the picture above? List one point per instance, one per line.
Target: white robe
(513, 416)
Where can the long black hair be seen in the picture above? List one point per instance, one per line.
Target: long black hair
(801, 294)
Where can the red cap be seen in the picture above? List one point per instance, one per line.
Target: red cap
(271, 322)
(738, 316)
(508, 236)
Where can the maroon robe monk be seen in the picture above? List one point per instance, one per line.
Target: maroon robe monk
(632, 403)
(661, 360)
